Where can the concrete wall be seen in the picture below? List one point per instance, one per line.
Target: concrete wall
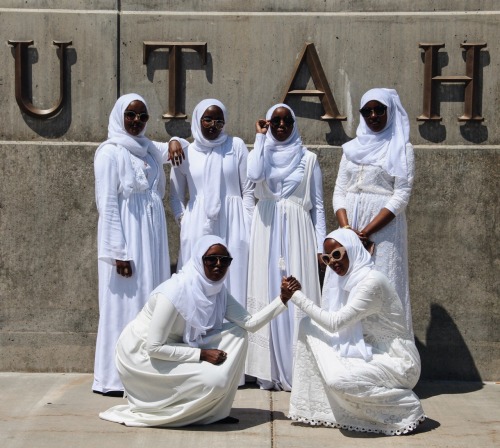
(48, 275)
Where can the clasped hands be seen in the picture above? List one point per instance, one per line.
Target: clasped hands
(288, 286)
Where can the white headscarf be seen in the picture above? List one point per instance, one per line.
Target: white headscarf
(213, 163)
(336, 291)
(139, 146)
(386, 148)
(281, 158)
(200, 301)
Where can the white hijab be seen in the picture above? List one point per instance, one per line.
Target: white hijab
(337, 289)
(200, 301)
(281, 158)
(386, 148)
(213, 163)
(139, 146)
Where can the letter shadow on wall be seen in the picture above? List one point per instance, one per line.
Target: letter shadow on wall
(447, 364)
(158, 60)
(472, 131)
(58, 125)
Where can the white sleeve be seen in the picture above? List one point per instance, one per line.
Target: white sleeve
(112, 244)
(340, 191)
(246, 185)
(163, 319)
(358, 307)
(241, 317)
(255, 164)
(177, 194)
(402, 187)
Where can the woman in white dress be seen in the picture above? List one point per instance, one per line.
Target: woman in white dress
(356, 362)
(288, 228)
(374, 184)
(179, 360)
(132, 230)
(221, 202)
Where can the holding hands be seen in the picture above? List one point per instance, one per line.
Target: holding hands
(288, 286)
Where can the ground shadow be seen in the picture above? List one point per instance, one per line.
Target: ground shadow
(447, 364)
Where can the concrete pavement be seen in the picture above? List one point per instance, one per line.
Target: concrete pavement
(56, 410)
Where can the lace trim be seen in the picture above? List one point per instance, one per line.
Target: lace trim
(392, 432)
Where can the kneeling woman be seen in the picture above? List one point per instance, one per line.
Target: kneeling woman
(356, 363)
(179, 362)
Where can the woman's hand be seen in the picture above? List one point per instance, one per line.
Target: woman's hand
(123, 268)
(213, 356)
(261, 126)
(288, 286)
(321, 263)
(175, 152)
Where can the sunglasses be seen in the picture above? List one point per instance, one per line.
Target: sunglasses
(336, 255)
(208, 122)
(130, 115)
(212, 260)
(276, 121)
(379, 111)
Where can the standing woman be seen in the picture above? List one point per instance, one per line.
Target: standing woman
(374, 184)
(288, 228)
(221, 201)
(132, 230)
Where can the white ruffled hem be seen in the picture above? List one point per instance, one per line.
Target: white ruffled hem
(313, 422)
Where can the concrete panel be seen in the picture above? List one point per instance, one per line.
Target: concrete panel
(73, 5)
(252, 56)
(92, 67)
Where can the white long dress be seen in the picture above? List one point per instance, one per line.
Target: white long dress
(351, 393)
(235, 215)
(291, 226)
(165, 381)
(132, 229)
(363, 190)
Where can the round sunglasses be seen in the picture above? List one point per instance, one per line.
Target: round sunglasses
(335, 255)
(208, 122)
(378, 110)
(287, 120)
(130, 115)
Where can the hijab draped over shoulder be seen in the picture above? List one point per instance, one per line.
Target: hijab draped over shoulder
(213, 164)
(129, 144)
(386, 148)
(200, 301)
(337, 288)
(281, 158)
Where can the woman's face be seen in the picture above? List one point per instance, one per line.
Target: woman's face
(377, 118)
(215, 262)
(281, 124)
(211, 122)
(340, 267)
(135, 124)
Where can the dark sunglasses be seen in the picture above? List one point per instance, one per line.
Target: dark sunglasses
(276, 121)
(208, 122)
(336, 255)
(212, 260)
(130, 115)
(379, 111)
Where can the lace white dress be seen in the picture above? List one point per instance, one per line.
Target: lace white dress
(351, 393)
(363, 190)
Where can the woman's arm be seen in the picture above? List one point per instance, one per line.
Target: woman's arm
(240, 316)
(255, 164)
(177, 194)
(361, 305)
(112, 244)
(163, 319)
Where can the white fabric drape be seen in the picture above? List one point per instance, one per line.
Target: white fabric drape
(129, 188)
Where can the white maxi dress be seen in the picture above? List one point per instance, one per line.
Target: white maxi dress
(165, 382)
(351, 393)
(363, 190)
(291, 227)
(134, 229)
(235, 215)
